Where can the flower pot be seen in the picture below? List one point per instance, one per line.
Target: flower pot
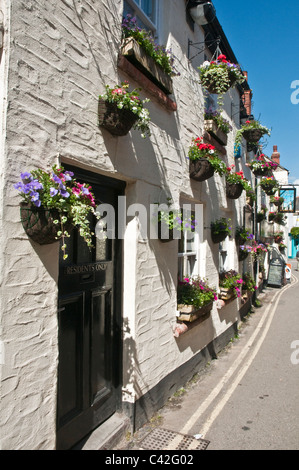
(190, 313)
(212, 128)
(253, 135)
(117, 121)
(218, 237)
(200, 170)
(38, 223)
(233, 190)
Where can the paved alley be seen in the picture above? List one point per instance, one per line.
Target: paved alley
(248, 398)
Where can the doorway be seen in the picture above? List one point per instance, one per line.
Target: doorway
(89, 324)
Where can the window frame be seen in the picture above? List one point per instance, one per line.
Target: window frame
(139, 13)
(198, 252)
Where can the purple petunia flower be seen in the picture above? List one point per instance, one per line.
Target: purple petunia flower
(26, 177)
(53, 192)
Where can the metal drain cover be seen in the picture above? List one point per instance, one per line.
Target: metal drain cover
(163, 439)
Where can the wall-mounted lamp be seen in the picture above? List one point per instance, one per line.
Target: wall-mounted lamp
(201, 12)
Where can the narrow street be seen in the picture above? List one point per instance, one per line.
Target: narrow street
(248, 398)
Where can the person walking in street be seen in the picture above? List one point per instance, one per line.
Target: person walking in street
(297, 258)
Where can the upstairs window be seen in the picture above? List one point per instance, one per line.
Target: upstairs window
(145, 12)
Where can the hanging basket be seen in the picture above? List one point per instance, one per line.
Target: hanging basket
(263, 172)
(201, 170)
(253, 135)
(117, 121)
(218, 237)
(260, 217)
(212, 87)
(233, 190)
(38, 223)
(269, 190)
(243, 255)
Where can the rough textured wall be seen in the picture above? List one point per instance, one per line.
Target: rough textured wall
(61, 56)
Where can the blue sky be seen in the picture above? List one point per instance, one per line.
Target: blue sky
(264, 35)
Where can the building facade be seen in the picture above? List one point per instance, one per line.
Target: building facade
(86, 337)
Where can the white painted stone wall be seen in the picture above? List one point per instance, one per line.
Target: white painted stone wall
(58, 58)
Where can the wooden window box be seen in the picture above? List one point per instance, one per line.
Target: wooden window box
(136, 55)
(212, 128)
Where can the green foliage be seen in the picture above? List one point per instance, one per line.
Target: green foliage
(164, 58)
(120, 95)
(195, 291)
(295, 232)
(58, 189)
(198, 150)
(221, 225)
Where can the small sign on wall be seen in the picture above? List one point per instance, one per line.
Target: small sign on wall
(289, 196)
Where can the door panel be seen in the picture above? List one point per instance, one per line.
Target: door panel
(89, 316)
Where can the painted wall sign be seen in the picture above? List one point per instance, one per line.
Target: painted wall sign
(85, 268)
(289, 203)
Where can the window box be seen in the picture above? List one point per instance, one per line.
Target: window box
(212, 128)
(189, 313)
(226, 293)
(136, 55)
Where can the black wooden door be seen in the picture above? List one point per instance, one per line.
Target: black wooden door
(89, 315)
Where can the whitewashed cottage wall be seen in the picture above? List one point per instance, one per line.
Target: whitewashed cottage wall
(57, 59)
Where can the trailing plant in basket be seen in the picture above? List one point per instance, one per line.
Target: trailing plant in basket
(162, 56)
(237, 178)
(195, 291)
(261, 165)
(174, 219)
(58, 190)
(121, 96)
(221, 226)
(217, 76)
(250, 126)
(199, 149)
(244, 234)
(269, 184)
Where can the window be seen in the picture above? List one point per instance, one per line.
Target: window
(189, 261)
(145, 11)
(187, 256)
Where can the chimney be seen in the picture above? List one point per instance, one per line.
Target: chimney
(247, 97)
(275, 155)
